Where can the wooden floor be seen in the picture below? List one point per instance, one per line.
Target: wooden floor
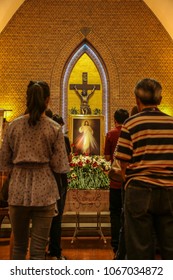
(83, 248)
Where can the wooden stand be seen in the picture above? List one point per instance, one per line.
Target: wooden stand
(85, 201)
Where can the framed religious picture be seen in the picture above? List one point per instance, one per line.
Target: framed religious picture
(86, 133)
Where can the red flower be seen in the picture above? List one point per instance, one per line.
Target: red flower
(80, 163)
(95, 164)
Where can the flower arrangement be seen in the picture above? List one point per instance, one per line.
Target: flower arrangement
(88, 172)
(97, 111)
(75, 111)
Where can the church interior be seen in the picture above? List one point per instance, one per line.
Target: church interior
(89, 52)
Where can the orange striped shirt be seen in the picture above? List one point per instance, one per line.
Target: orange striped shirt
(146, 143)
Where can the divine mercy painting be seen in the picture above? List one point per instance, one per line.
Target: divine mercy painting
(86, 134)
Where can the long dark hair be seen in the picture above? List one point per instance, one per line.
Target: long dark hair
(37, 93)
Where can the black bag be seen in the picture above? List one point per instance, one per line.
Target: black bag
(4, 193)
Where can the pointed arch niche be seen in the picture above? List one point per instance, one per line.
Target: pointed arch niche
(85, 48)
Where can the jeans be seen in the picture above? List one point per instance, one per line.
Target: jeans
(20, 217)
(148, 214)
(115, 207)
(55, 231)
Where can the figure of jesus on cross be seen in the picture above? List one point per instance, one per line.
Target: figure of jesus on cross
(84, 95)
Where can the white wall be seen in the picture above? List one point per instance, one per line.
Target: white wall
(163, 9)
(7, 10)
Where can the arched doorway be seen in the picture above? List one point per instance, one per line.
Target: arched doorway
(85, 48)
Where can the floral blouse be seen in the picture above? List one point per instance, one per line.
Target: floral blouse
(33, 153)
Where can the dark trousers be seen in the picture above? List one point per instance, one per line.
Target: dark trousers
(121, 251)
(55, 231)
(148, 214)
(20, 217)
(115, 206)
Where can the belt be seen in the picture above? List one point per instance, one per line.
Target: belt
(31, 165)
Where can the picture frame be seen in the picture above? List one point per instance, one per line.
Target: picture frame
(86, 133)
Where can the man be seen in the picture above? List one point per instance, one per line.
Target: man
(145, 151)
(115, 201)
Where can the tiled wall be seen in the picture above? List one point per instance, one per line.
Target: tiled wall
(43, 35)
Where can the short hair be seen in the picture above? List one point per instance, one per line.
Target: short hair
(121, 115)
(148, 91)
(58, 119)
(49, 113)
(134, 111)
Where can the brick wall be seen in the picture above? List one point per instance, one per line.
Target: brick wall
(43, 34)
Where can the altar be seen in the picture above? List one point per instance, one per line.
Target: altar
(86, 201)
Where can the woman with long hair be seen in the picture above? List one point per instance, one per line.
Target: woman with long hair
(33, 148)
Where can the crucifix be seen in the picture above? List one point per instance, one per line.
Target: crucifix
(84, 95)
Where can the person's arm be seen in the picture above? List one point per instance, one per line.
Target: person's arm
(108, 157)
(91, 93)
(124, 150)
(107, 149)
(123, 165)
(59, 160)
(68, 148)
(6, 153)
(81, 129)
(77, 92)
